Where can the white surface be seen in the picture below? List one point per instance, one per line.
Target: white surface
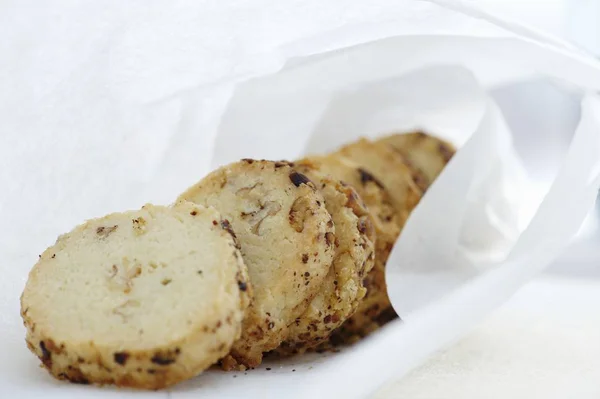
(575, 20)
(543, 343)
(109, 106)
(547, 15)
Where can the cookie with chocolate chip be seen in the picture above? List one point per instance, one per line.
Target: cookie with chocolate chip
(287, 239)
(380, 162)
(425, 153)
(343, 287)
(140, 299)
(386, 223)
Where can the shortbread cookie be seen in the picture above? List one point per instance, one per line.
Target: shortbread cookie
(383, 162)
(343, 287)
(387, 227)
(287, 241)
(428, 154)
(372, 191)
(140, 299)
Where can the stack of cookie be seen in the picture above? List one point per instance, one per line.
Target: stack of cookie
(259, 256)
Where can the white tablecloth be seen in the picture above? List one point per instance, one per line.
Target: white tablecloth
(544, 343)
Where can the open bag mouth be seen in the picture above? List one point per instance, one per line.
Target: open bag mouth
(484, 228)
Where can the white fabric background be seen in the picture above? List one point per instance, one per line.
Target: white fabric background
(542, 344)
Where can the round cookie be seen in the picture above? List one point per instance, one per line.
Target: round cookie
(426, 153)
(287, 241)
(343, 287)
(387, 228)
(387, 166)
(140, 299)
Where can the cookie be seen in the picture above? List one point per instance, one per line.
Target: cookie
(380, 161)
(141, 299)
(343, 287)
(426, 153)
(287, 241)
(387, 228)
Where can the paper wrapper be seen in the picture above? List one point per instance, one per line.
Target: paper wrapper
(107, 106)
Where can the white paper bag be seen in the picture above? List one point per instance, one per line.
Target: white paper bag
(107, 106)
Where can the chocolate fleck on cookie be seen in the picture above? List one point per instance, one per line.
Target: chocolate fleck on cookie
(282, 227)
(426, 153)
(343, 288)
(100, 311)
(387, 168)
(386, 223)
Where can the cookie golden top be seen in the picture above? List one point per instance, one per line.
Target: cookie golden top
(286, 238)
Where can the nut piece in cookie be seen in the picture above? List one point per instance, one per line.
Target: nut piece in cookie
(141, 299)
(285, 237)
(387, 225)
(343, 287)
